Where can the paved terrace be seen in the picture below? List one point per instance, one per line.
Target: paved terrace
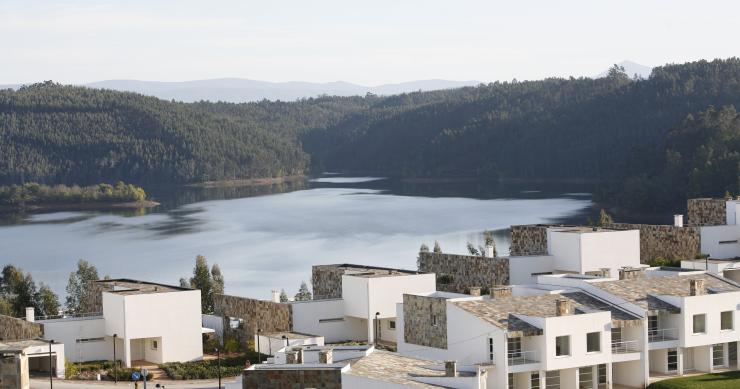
(129, 287)
(397, 369)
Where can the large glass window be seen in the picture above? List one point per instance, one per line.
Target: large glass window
(511, 380)
(534, 380)
(514, 346)
(700, 325)
(602, 374)
(718, 354)
(616, 335)
(562, 345)
(593, 342)
(672, 360)
(727, 320)
(585, 377)
(552, 379)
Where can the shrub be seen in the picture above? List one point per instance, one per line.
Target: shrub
(125, 374)
(230, 367)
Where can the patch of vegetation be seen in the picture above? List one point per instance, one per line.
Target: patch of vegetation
(726, 380)
(33, 193)
(231, 366)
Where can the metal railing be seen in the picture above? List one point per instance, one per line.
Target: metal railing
(625, 346)
(663, 334)
(522, 357)
(70, 316)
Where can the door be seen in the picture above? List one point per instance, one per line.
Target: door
(688, 359)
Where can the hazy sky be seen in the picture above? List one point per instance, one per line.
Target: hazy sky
(369, 42)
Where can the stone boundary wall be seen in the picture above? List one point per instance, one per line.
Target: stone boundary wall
(292, 378)
(458, 273)
(665, 241)
(707, 212)
(266, 315)
(528, 240)
(418, 325)
(19, 329)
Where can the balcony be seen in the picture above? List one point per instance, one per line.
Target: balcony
(662, 335)
(522, 357)
(626, 346)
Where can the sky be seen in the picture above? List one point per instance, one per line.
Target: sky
(366, 42)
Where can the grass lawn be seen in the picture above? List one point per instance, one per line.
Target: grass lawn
(726, 380)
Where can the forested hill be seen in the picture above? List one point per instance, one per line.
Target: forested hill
(615, 128)
(74, 135)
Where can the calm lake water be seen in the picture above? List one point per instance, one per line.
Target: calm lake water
(268, 237)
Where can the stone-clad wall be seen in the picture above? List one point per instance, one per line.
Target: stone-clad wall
(707, 212)
(528, 240)
(665, 241)
(19, 329)
(327, 281)
(418, 327)
(457, 273)
(292, 378)
(257, 314)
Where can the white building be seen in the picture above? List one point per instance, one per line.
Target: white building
(359, 302)
(579, 250)
(149, 322)
(723, 241)
(21, 359)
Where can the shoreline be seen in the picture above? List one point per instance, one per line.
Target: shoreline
(247, 182)
(93, 206)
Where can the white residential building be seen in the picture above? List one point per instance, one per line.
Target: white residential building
(149, 322)
(723, 241)
(579, 250)
(354, 302)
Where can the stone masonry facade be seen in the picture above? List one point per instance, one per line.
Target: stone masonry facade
(707, 212)
(459, 273)
(327, 281)
(292, 379)
(265, 315)
(528, 240)
(19, 329)
(664, 241)
(425, 321)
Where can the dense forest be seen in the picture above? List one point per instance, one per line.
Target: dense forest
(635, 134)
(33, 193)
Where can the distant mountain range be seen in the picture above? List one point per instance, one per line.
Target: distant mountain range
(631, 68)
(239, 90)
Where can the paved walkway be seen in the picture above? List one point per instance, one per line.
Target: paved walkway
(229, 383)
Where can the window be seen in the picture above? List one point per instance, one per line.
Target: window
(155, 345)
(652, 324)
(534, 380)
(602, 374)
(727, 241)
(562, 346)
(552, 379)
(616, 335)
(490, 349)
(586, 377)
(392, 325)
(511, 380)
(88, 340)
(434, 320)
(700, 324)
(726, 322)
(718, 354)
(514, 347)
(593, 342)
(332, 320)
(672, 360)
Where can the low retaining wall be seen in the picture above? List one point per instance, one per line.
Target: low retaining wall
(19, 329)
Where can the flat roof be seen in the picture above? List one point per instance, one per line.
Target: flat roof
(585, 230)
(20, 345)
(500, 311)
(288, 334)
(642, 291)
(395, 368)
(371, 271)
(128, 286)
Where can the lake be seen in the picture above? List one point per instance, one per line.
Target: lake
(268, 237)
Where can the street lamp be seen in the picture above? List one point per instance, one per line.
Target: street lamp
(51, 367)
(218, 359)
(376, 327)
(115, 364)
(286, 342)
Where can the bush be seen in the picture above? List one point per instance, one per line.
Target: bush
(231, 345)
(125, 374)
(230, 367)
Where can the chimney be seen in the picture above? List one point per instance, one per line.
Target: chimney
(474, 291)
(489, 251)
(696, 287)
(30, 315)
(291, 357)
(326, 356)
(275, 296)
(563, 307)
(450, 368)
(630, 273)
(498, 291)
(678, 220)
(606, 272)
(299, 356)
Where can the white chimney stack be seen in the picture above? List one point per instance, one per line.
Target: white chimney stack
(489, 251)
(30, 315)
(678, 220)
(275, 296)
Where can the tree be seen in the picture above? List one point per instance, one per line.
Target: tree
(5, 307)
(81, 288)
(472, 250)
(19, 290)
(489, 241)
(424, 248)
(218, 279)
(283, 296)
(604, 218)
(48, 301)
(437, 249)
(303, 293)
(203, 281)
(184, 283)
